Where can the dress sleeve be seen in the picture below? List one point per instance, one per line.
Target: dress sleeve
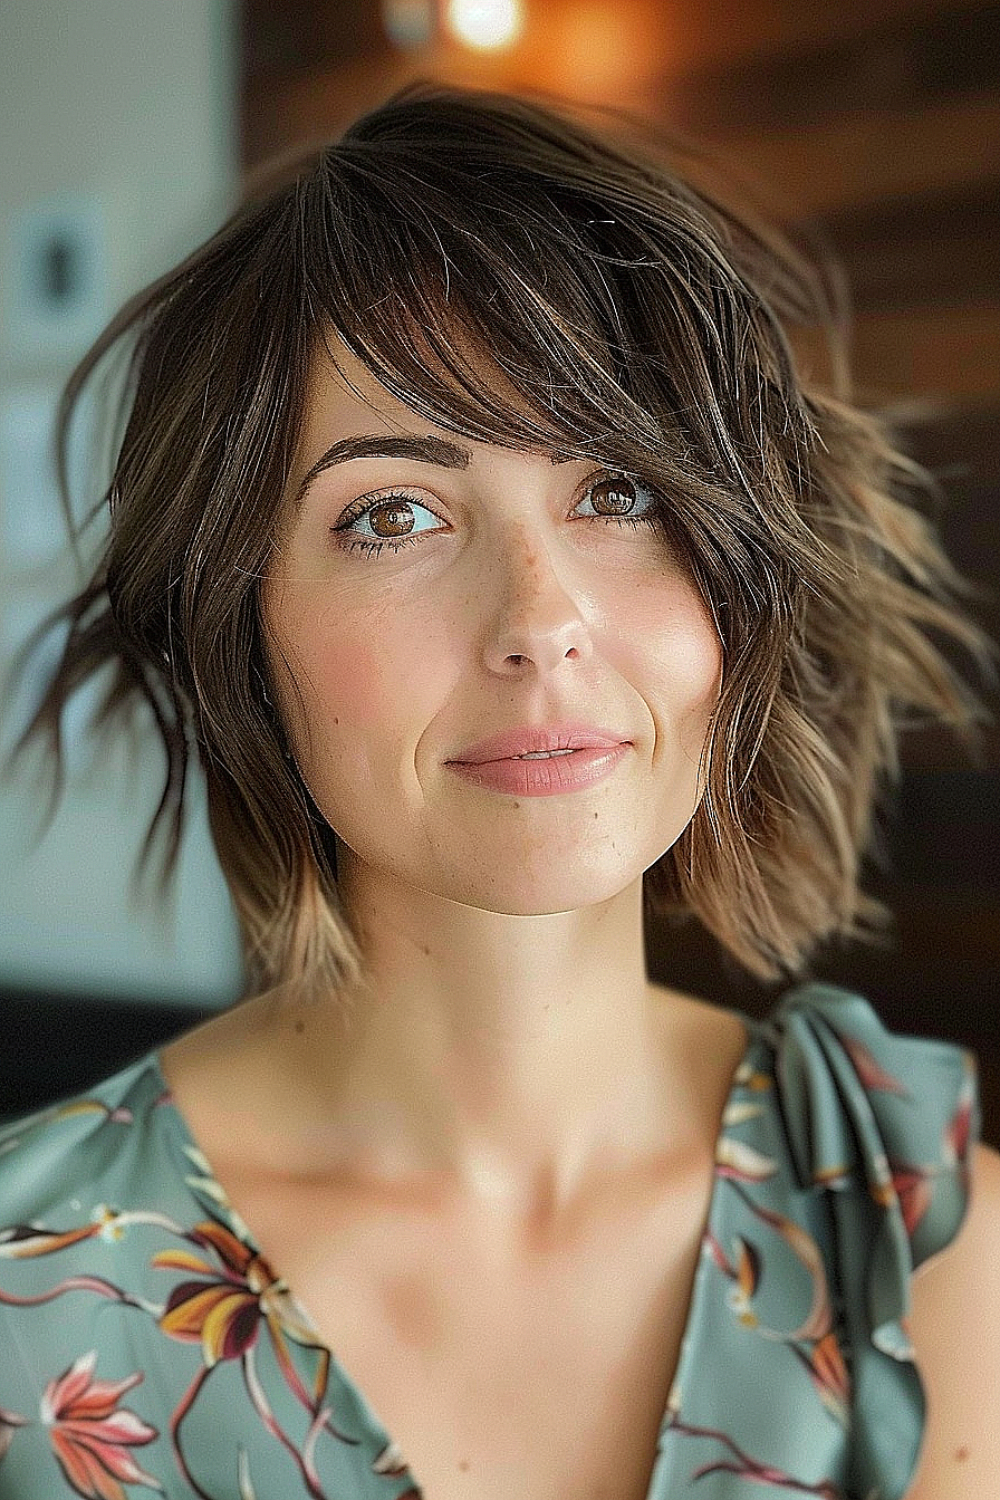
(888, 1124)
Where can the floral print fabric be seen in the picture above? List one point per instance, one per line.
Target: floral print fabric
(145, 1344)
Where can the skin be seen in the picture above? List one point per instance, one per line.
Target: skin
(954, 1325)
(508, 995)
(478, 1083)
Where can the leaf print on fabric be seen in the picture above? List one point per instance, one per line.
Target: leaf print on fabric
(814, 1341)
(958, 1132)
(828, 1371)
(743, 1269)
(117, 1114)
(913, 1189)
(91, 1436)
(391, 1461)
(247, 1491)
(22, 1241)
(871, 1073)
(752, 1469)
(736, 1159)
(819, 1319)
(206, 1186)
(738, 1112)
(82, 1283)
(749, 1077)
(10, 1421)
(32, 1241)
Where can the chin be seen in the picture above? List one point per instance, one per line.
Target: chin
(522, 893)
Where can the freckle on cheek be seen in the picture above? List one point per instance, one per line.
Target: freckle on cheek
(961, 1454)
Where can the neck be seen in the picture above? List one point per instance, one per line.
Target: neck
(504, 1060)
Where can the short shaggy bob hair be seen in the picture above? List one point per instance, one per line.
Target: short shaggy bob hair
(634, 318)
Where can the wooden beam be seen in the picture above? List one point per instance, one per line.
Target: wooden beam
(840, 164)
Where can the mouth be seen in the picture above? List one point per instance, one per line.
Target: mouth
(539, 742)
(544, 773)
(541, 754)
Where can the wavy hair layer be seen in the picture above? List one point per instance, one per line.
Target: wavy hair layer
(634, 318)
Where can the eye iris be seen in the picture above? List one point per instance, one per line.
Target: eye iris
(391, 518)
(613, 497)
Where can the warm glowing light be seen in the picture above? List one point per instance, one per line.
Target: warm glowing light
(485, 23)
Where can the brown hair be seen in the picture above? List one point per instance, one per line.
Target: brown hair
(637, 319)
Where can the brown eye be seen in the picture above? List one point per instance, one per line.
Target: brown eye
(391, 518)
(613, 497)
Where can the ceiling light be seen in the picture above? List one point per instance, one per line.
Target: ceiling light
(484, 24)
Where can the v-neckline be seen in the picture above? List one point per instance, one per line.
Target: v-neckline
(377, 1429)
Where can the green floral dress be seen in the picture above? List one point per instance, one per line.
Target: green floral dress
(146, 1344)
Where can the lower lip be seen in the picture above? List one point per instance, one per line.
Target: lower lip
(547, 777)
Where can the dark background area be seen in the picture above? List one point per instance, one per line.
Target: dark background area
(875, 129)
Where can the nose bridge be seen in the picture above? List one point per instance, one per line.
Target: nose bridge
(536, 608)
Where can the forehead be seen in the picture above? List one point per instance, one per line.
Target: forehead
(343, 394)
(348, 412)
(463, 392)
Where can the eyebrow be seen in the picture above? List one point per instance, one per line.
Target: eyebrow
(427, 450)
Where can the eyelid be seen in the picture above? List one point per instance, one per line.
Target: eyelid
(371, 499)
(362, 503)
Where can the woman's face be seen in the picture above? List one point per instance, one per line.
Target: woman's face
(425, 599)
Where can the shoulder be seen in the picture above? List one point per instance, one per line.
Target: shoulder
(49, 1156)
(897, 1112)
(897, 1117)
(955, 1327)
(707, 1041)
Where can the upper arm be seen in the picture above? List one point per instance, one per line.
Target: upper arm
(954, 1325)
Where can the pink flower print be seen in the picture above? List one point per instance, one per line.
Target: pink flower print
(90, 1437)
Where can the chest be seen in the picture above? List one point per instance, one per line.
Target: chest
(544, 1377)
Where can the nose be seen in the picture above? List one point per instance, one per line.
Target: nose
(537, 621)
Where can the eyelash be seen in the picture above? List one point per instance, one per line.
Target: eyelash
(370, 548)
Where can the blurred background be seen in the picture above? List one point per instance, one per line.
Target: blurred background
(126, 127)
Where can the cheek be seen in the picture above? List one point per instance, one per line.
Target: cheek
(350, 684)
(683, 663)
(683, 693)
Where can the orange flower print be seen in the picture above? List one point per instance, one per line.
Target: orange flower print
(222, 1313)
(90, 1437)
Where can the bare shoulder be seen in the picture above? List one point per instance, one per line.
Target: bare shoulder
(955, 1328)
(704, 1021)
(216, 1075)
(707, 1042)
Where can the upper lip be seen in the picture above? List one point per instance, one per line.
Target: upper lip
(528, 737)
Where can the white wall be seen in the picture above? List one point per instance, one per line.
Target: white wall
(118, 118)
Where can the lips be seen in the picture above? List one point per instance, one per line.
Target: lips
(531, 739)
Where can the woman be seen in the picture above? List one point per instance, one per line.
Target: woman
(473, 523)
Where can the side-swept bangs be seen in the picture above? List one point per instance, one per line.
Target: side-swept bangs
(521, 278)
(618, 325)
